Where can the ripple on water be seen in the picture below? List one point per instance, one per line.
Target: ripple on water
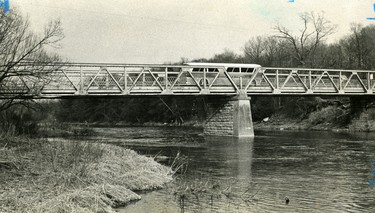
(317, 171)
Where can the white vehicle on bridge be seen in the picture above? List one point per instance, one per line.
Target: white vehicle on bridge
(230, 67)
(216, 73)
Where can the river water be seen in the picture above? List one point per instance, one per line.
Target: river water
(315, 171)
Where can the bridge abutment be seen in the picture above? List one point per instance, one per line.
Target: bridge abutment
(230, 117)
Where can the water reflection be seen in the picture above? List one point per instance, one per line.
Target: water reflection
(318, 171)
(220, 169)
(228, 156)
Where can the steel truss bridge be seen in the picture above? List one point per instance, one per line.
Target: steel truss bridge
(84, 79)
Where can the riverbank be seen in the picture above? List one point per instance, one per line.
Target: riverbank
(294, 124)
(328, 119)
(37, 175)
(331, 117)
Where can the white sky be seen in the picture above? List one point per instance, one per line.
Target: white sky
(150, 31)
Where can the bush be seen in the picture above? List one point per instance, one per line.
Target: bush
(330, 114)
(17, 121)
(83, 131)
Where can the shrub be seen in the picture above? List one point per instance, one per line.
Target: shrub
(20, 120)
(330, 114)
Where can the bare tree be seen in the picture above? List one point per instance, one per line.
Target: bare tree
(359, 47)
(227, 56)
(267, 51)
(316, 28)
(255, 49)
(25, 63)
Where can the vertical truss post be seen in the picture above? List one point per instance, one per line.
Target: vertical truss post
(204, 89)
(144, 77)
(166, 78)
(204, 78)
(277, 79)
(168, 87)
(340, 83)
(369, 82)
(240, 78)
(309, 83)
(80, 80)
(125, 81)
(107, 79)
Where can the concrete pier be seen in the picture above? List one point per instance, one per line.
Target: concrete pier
(242, 120)
(230, 117)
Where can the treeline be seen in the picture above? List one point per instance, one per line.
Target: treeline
(307, 48)
(284, 49)
(354, 51)
(132, 110)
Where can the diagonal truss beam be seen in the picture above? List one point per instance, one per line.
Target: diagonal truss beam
(70, 80)
(117, 84)
(119, 76)
(155, 79)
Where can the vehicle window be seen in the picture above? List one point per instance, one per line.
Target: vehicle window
(213, 70)
(236, 69)
(250, 69)
(230, 69)
(197, 69)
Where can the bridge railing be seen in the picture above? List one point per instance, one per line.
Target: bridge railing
(316, 81)
(148, 79)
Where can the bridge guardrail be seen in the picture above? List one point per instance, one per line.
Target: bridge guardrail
(75, 79)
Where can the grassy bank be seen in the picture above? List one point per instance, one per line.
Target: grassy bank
(330, 118)
(327, 118)
(41, 176)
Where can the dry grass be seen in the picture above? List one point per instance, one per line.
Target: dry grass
(95, 198)
(125, 167)
(42, 176)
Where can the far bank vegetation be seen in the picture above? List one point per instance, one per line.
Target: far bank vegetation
(306, 47)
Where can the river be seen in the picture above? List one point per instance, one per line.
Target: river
(315, 171)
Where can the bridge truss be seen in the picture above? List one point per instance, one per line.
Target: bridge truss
(83, 79)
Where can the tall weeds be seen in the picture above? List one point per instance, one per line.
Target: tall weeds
(206, 193)
(180, 163)
(71, 159)
(67, 176)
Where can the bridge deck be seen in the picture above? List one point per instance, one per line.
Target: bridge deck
(146, 79)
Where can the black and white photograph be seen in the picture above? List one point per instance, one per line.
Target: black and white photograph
(187, 106)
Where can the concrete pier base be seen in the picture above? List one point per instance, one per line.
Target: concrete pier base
(242, 120)
(230, 117)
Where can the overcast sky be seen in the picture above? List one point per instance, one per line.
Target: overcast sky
(150, 31)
